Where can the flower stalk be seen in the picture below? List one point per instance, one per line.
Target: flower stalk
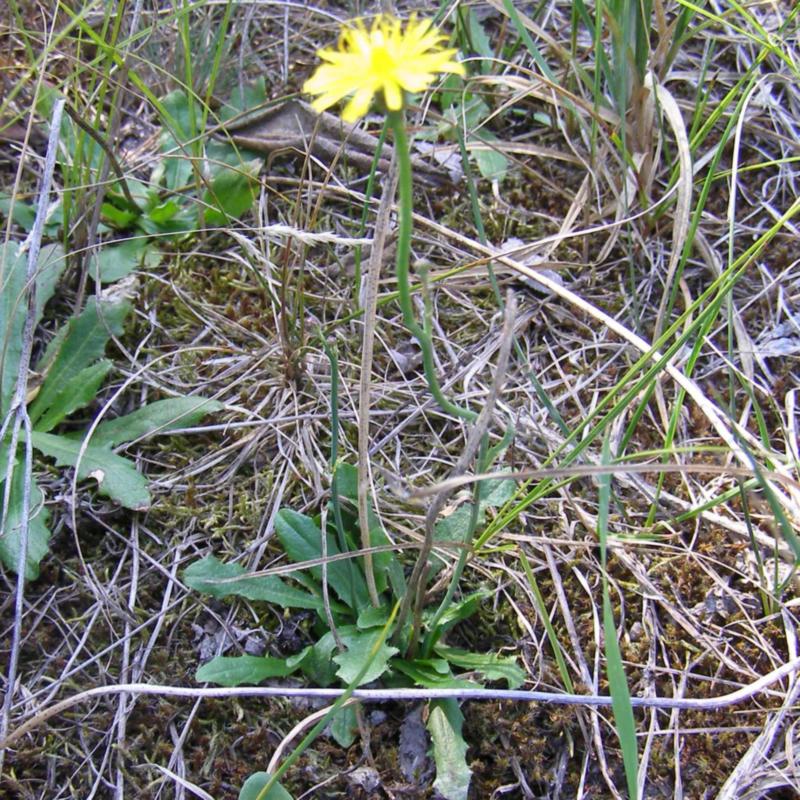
(387, 63)
(423, 336)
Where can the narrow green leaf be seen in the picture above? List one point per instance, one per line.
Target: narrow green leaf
(116, 477)
(431, 673)
(38, 532)
(83, 344)
(492, 666)
(254, 786)
(360, 649)
(784, 524)
(14, 306)
(386, 564)
(73, 394)
(449, 750)
(242, 670)
(552, 636)
(211, 576)
(302, 540)
(617, 681)
(162, 416)
(462, 609)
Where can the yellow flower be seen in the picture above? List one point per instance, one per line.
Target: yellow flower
(383, 60)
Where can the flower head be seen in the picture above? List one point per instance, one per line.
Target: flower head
(384, 60)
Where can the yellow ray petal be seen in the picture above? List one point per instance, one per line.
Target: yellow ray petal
(385, 60)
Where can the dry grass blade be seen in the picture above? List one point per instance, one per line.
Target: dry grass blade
(369, 303)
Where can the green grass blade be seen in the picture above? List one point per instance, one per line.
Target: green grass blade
(552, 636)
(618, 683)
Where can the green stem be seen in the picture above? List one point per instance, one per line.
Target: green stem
(405, 182)
(369, 192)
(335, 498)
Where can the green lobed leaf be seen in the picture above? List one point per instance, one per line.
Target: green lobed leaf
(162, 416)
(492, 666)
(162, 213)
(116, 477)
(359, 645)
(116, 217)
(302, 540)
(83, 343)
(242, 670)
(371, 617)
(316, 661)
(212, 576)
(169, 219)
(479, 40)
(38, 532)
(449, 750)
(75, 393)
(255, 784)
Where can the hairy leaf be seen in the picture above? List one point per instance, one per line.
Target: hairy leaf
(38, 533)
(14, 306)
(82, 345)
(116, 477)
(358, 646)
(242, 670)
(162, 416)
(302, 540)
(73, 394)
(449, 750)
(211, 576)
(255, 784)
